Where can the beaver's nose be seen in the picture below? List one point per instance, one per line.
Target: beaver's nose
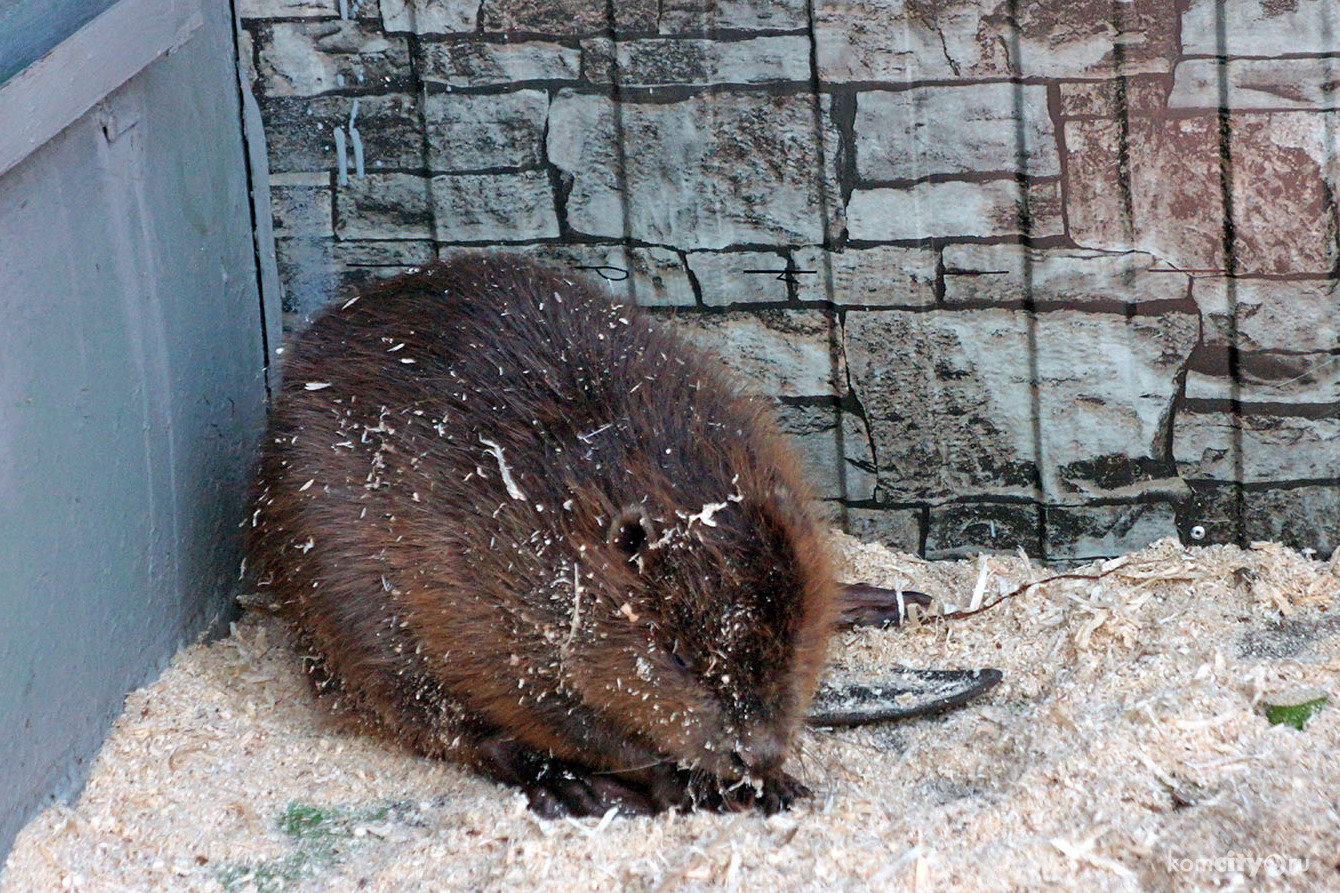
(763, 750)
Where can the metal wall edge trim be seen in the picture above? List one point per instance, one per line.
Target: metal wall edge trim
(56, 90)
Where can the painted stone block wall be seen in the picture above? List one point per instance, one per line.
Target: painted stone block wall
(1050, 275)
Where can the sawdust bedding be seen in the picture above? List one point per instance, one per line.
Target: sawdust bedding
(1127, 748)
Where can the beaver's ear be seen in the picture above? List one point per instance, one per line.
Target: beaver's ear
(631, 530)
(788, 502)
(784, 496)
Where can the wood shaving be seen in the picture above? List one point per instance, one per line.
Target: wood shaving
(1126, 749)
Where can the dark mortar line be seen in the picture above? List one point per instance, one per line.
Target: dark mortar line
(503, 170)
(1030, 303)
(1129, 310)
(1166, 437)
(1204, 358)
(653, 94)
(1001, 176)
(1156, 499)
(420, 108)
(255, 48)
(1229, 247)
(436, 87)
(408, 265)
(559, 182)
(694, 285)
(840, 377)
(503, 245)
(892, 308)
(637, 94)
(1122, 112)
(870, 505)
(1183, 113)
(1204, 111)
(403, 86)
(968, 500)
(1179, 42)
(1284, 57)
(816, 401)
(936, 243)
(361, 240)
(582, 240)
(1141, 77)
(940, 286)
(874, 86)
(793, 271)
(1204, 485)
(492, 39)
(1239, 409)
(308, 20)
(760, 310)
(1064, 564)
(1062, 154)
(606, 32)
(851, 405)
(601, 242)
(736, 247)
(640, 94)
(725, 35)
(574, 41)
(842, 113)
(958, 502)
(1069, 247)
(336, 219)
(763, 307)
(1251, 276)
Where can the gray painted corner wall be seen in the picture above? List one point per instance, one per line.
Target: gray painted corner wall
(131, 395)
(28, 28)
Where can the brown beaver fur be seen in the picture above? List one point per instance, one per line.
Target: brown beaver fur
(521, 526)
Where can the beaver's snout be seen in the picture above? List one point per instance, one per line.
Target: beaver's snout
(762, 751)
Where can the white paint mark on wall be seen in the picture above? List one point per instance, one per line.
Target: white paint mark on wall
(341, 157)
(342, 146)
(357, 141)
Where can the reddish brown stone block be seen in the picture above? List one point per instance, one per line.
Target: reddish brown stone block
(1284, 211)
(1153, 186)
(1159, 186)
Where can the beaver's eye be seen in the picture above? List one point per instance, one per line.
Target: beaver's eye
(681, 657)
(631, 530)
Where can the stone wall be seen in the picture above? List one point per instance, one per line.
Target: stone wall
(1055, 275)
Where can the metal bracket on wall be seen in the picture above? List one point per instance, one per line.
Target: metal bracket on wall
(56, 90)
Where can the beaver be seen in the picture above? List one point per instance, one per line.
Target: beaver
(517, 524)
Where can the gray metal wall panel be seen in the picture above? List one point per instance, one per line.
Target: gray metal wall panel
(131, 394)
